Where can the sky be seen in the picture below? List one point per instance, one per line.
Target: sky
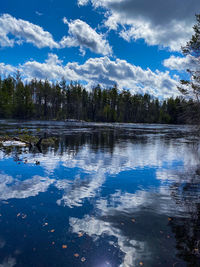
(135, 44)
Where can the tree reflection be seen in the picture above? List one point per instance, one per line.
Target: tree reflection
(186, 228)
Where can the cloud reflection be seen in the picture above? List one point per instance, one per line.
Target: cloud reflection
(8, 262)
(14, 188)
(96, 228)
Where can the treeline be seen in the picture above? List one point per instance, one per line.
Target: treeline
(60, 101)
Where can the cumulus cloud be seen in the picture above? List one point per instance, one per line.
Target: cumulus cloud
(182, 63)
(82, 2)
(51, 69)
(17, 31)
(105, 72)
(6, 69)
(14, 31)
(168, 24)
(83, 36)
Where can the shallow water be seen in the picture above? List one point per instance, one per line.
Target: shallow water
(105, 195)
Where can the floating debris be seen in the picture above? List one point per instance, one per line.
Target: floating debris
(13, 143)
(24, 216)
(80, 234)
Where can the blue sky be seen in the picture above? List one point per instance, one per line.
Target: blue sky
(134, 44)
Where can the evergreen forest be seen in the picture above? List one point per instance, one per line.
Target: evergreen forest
(42, 100)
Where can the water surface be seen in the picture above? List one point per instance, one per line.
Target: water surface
(104, 195)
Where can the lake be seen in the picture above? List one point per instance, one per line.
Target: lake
(105, 195)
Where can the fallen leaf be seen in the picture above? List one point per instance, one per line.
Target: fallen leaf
(24, 216)
(80, 234)
(76, 255)
(83, 259)
(64, 246)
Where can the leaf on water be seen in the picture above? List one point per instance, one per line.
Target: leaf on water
(64, 246)
(24, 216)
(80, 234)
(83, 259)
(76, 255)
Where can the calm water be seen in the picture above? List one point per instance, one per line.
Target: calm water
(104, 196)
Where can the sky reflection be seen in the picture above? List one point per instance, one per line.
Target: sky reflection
(125, 198)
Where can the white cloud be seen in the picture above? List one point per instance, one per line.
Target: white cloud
(6, 69)
(108, 72)
(83, 36)
(168, 24)
(105, 72)
(38, 13)
(182, 63)
(51, 69)
(23, 31)
(82, 2)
